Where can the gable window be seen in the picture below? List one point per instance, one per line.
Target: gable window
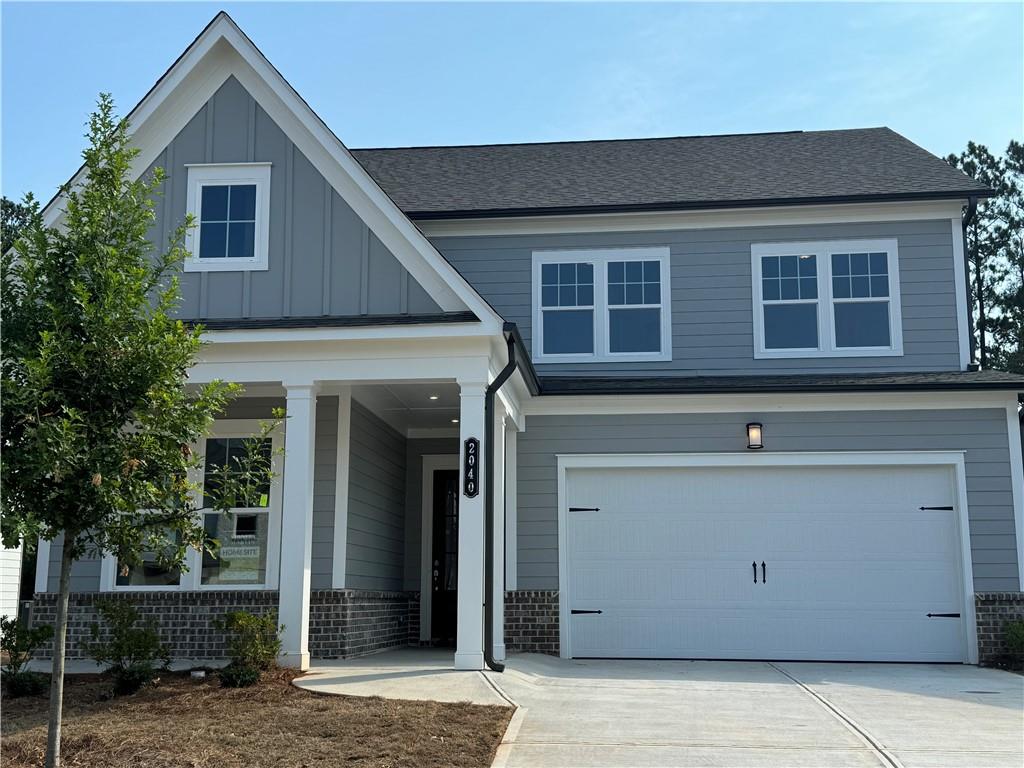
(826, 299)
(229, 205)
(601, 305)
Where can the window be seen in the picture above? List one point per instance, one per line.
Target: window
(230, 208)
(826, 299)
(249, 535)
(610, 304)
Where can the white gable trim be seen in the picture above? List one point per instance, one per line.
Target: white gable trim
(222, 50)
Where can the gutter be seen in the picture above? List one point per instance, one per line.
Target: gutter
(968, 218)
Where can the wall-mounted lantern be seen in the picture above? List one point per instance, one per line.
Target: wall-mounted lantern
(755, 439)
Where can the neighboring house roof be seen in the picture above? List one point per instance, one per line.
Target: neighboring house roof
(797, 167)
(845, 382)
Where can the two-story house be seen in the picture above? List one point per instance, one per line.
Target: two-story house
(706, 397)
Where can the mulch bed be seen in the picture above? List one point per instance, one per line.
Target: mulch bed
(180, 722)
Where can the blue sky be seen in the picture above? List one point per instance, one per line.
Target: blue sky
(400, 74)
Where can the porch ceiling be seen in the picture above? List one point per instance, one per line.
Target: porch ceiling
(409, 407)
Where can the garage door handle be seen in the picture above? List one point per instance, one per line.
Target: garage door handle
(576, 611)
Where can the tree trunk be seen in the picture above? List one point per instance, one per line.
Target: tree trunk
(60, 632)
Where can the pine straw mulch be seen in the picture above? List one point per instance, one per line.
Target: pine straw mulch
(181, 723)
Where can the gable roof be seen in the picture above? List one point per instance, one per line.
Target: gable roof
(222, 51)
(797, 167)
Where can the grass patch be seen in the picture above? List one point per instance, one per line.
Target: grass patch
(180, 722)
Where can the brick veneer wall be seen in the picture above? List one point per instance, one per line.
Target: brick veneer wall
(186, 618)
(531, 621)
(349, 622)
(993, 610)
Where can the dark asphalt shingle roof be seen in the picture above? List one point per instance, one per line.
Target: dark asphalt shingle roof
(671, 173)
(862, 382)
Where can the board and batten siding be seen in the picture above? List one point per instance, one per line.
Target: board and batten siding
(712, 306)
(323, 260)
(981, 433)
(375, 555)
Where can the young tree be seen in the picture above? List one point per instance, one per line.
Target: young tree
(13, 218)
(96, 416)
(994, 249)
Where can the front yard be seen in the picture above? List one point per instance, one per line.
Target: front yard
(181, 722)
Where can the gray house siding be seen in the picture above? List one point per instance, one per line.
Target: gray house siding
(981, 433)
(323, 259)
(375, 556)
(712, 310)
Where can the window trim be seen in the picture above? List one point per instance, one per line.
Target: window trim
(191, 579)
(201, 175)
(823, 250)
(600, 257)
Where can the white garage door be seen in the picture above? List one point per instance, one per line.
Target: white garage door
(822, 563)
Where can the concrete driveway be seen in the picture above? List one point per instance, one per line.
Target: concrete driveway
(702, 713)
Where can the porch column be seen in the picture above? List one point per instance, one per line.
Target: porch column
(297, 524)
(469, 653)
(498, 494)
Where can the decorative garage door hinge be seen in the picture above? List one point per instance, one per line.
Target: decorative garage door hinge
(584, 509)
(576, 611)
(937, 509)
(943, 615)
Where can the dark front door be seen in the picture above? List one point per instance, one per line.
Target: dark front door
(445, 563)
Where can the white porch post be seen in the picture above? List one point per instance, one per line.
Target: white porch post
(498, 494)
(297, 524)
(469, 647)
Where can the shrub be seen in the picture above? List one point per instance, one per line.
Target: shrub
(1014, 632)
(236, 675)
(19, 643)
(253, 646)
(133, 651)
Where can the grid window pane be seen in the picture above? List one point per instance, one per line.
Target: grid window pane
(788, 266)
(227, 221)
(567, 285)
(634, 282)
(230, 452)
(858, 264)
(569, 332)
(789, 278)
(549, 274)
(770, 289)
(634, 330)
(860, 275)
(148, 573)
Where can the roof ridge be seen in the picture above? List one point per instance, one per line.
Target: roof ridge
(610, 141)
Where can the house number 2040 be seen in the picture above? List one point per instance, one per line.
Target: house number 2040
(470, 467)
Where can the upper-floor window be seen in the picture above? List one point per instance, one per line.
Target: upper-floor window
(230, 208)
(601, 305)
(826, 299)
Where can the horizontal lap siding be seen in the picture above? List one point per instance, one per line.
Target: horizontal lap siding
(981, 433)
(376, 505)
(712, 312)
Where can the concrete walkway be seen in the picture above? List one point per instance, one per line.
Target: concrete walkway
(600, 714)
(407, 673)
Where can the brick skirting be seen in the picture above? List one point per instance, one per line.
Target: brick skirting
(351, 622)
(186, 618)
(993, 611)
(342, 623)
(531, 621)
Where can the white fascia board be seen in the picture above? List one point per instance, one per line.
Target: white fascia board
(708, 219)
(223, 50)
(963, 312)
(788, 402)
(369, 332)
(1016, 484)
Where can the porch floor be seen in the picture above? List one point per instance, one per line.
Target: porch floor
(419, 674)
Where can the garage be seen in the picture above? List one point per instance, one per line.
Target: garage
(788, 561)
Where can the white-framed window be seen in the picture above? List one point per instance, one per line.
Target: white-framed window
(837, 298)
(230, 205)
(249, 555)
(602, 305)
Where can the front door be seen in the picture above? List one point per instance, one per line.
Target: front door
(445, 561)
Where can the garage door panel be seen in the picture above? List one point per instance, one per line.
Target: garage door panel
(853, 565)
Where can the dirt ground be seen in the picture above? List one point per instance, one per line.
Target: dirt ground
(181, 722)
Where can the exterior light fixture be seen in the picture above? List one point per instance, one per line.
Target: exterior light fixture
(455, 421)
(755, 440)
(432, 397)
